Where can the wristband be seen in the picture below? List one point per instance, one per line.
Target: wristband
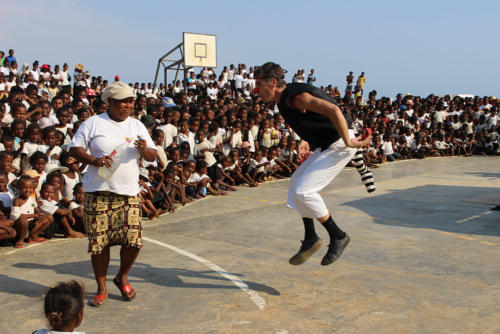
(95, 162)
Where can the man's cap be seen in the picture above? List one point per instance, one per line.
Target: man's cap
(148, 120)
(117, 91)
(31, 173)
(79, 67)
(168, 102)
(117, 77)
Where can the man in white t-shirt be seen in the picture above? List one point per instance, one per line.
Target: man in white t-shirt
(238, 81)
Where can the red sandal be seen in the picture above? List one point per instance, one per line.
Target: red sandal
(97, 300)
(128, 293)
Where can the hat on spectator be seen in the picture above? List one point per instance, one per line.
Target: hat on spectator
(79, 67)
(168, 102)
(148, 120)
(31, 173)
(117, 77)
(51, 168)
(403, 107)
(42, 91)
(90, 92)
(45, 67)
(144, 172)
(117, 91)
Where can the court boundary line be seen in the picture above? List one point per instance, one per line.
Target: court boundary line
(254, 296)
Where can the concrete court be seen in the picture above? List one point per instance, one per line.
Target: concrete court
(424, 257)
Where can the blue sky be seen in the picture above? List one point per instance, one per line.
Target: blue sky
(409, 47)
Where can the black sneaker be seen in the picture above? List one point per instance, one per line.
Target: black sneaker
(335, 249)
(308, 248)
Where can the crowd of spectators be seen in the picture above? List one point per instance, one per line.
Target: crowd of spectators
(211, 136)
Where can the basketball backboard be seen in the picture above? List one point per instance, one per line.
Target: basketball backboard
(200, 50)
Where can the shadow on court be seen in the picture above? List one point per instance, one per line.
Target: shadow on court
(491, 176)
(141, 272)
(456, 209)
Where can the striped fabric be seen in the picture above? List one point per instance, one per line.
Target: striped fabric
(364, 171)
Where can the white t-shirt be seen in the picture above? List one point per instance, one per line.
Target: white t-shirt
(65, 78)
(207, 155)
(254, 163)
(181, 137)
(56, 150)
(69, 184)
(440, 116)
(238, 81)
(100, 135)
(387, 147)
(169, 131)
(49, 207)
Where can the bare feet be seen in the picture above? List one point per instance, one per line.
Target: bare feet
(75, 235)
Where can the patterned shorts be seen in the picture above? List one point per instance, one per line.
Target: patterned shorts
(111, 219)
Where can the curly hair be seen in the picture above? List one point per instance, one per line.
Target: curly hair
(269, 71)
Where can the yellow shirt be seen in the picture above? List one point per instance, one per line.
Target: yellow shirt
(361, 81)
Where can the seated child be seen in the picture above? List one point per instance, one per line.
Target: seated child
(38, 161)
(71, 177)
(61, 215)
(257, 167)
(27, 216)
(6, 194)
(200, 180)
(174, 189)
(6, 159)
(279, 169)
(64, 308)
(76, 206)
(147, 206)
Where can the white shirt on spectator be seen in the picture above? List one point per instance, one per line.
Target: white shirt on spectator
(238, 80)
(101, 135)
(387, 148)
(169, 131)
(181, 137)
(207, 155)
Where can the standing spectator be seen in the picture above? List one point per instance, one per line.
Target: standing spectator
(361, 82)
(65, 78)
(112, 206)
(348, 87)
(34, 76)
(10, 58)
(311, 78)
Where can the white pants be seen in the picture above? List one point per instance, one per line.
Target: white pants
(315, 174)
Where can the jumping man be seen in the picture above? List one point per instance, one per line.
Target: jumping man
(318, 121)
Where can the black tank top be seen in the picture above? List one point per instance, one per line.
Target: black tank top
(314, 128)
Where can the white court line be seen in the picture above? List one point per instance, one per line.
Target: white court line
(15, 250)
(473, 217)
(254, 296)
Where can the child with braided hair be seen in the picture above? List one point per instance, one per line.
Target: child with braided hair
(63, 308)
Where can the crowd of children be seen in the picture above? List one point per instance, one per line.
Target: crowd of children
(212, 137)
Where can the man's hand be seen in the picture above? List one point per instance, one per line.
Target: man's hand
(359, 142)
